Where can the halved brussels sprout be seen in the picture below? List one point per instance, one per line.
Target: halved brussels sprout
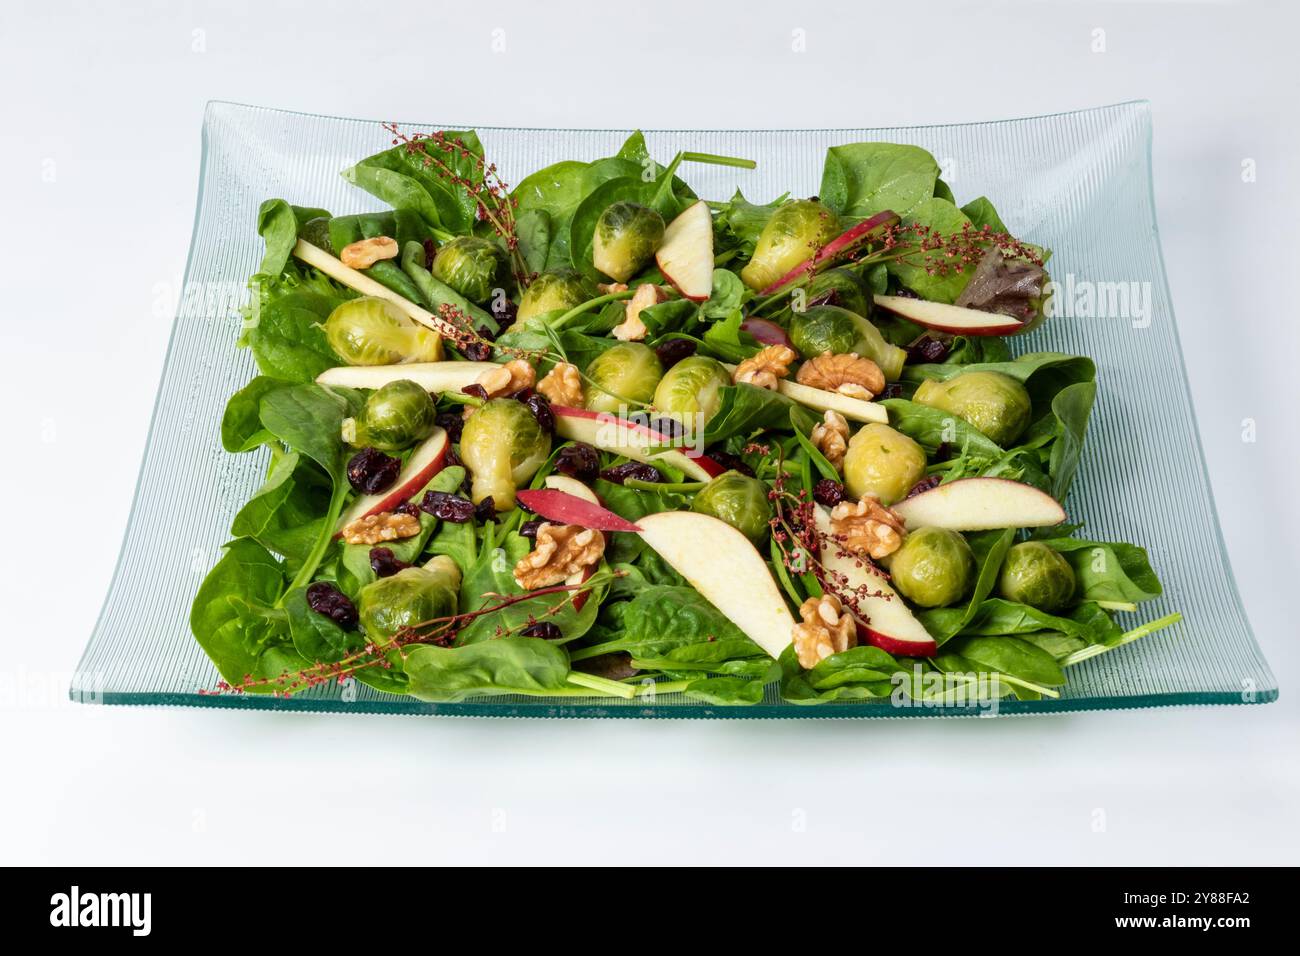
(623, 374)
(626, 237)
(841, 287)
(994, 403)
(883, 462)
(830, 328)
(933, 568)
(688, 391)
(409, 597)
(552, 292)
(503, 446)
(792, 235)
(1037, 575)
(472, 266)
(740, 501)
(374, 331)
(396, 416)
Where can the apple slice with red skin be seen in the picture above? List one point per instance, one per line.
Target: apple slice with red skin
(562, 507)
(823, 400)
(426, 460)
(949, 318)
(725, 567)
(865, 231)
(767, 332)
(980, 504)
(431, 376)
(883, 620)
(685, 256)
(613, 434)
(580, 493)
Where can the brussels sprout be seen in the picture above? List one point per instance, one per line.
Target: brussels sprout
(553, 291)
(883, 462)
(503, 446)
(1037, 575)
(841, 287)
(830, 328)
(994, 403)
(624, 374)
(374, 331)
(626, 237)
(933, 568)
(409, 597)
(793, 233)
(396, 416)
(738, 500)
(472, 266)
(688, 391)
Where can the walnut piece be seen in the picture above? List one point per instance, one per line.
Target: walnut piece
(609, 288)
(562, 385)
(507, 379)
(867, 526)
(632, 328)
(384, 526)
(364, 253)
(848, 373)
(825, 630)
(767, 368)
(831, 436)
(561, 551)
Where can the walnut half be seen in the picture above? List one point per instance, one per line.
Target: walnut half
(867, 526)
(825, 630)
(561, 551)
(364, 253)
(562, 385)
(831, 437)
(384, 526)
(848, 373)
(507, 379)
(766, 368)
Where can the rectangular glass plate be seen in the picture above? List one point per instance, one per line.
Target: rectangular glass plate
(1079, 183)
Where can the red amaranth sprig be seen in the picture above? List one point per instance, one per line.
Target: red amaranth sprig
(493, 203)
(941, 254)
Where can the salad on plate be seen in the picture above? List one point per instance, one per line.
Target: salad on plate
(595, 435)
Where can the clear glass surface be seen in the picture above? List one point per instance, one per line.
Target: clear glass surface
(1079, 183)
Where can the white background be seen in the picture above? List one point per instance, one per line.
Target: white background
(101, 111)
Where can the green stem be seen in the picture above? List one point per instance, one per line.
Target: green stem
(1117, 605)
(323, 539)
(1128, 637)
(585, 653)
(683, 486)
(661, 687)
(587, 306)
(709, 159)
(602, 685)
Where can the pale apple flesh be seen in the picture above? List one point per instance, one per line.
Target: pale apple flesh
(727, 570)
(942, 317)
(426, 461)
(822, 400)
(883, 620)
(431, 376)
(685, 256)
(620, 437)
(980, 504)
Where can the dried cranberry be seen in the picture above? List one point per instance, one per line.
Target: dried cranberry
(632, 469)
(407, 508)
(478, 352)
(485, 510)
(475, 391)
(448, 507)
(828, 492)
(729, 461)
(529, 528)
(324, 598)
(486, 333)
(927, 349)
(672, 351)
(543, 629)
(905, 294)
(370, 471)
(893, 390)
(943, 452)
(430, 250)
(670, 427)
(579, 460)
(453, 423)
(384, 563)
(541, 409)
(505, 312)
(925, 484)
